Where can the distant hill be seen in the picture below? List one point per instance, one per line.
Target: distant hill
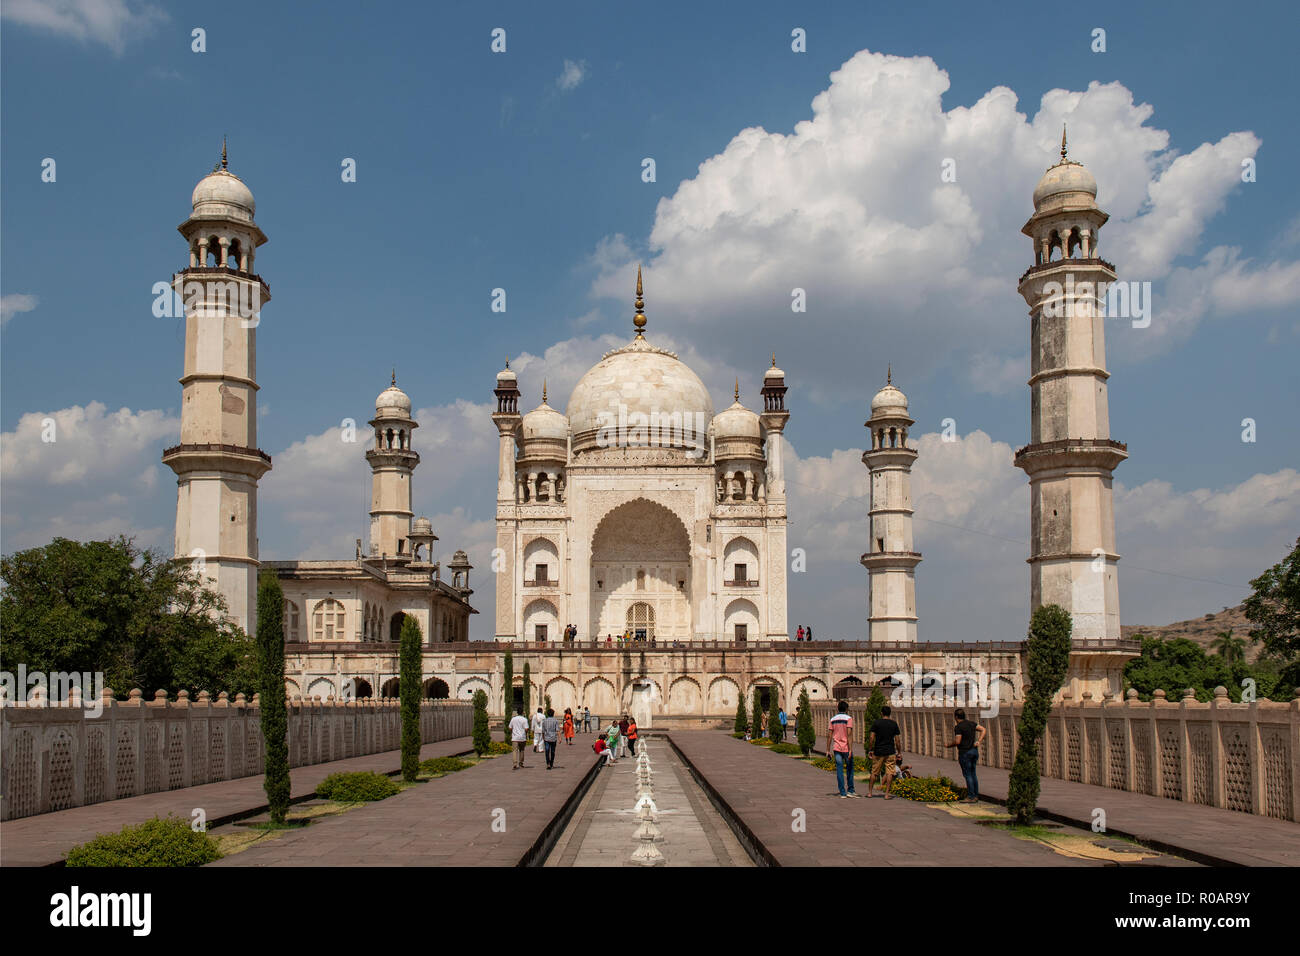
(1202, 630)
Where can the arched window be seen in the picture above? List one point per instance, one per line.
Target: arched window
(640, 580)
(641, 621)
(290, 621)
(234, 254)
(328, 621)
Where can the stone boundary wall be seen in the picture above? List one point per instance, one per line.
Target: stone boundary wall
(55, 756)
(1244, 757)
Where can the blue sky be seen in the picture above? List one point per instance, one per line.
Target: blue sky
(522, 171)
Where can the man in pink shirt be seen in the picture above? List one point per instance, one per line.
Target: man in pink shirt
(839, 747)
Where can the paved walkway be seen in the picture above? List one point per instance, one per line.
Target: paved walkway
(765, 790)
(601, 832)
(45, 839)
(444, 822)
(1208, 835)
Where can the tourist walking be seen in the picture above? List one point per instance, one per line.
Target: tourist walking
(780, 715)
(798, 635)
(622, 736)
(967, 737)
(631, 736)
(611, 741)
(568, 726)
(586, 721)
(807, 633)
(537, 730)
(839, 747)
(882, 744)
(550, 737)
(519, 736)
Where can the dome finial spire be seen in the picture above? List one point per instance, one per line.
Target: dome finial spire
(223, 151)
(543, 391)
(639, 319)
(393, 381)
(1063, 144)
(773, 360)
(737, 388)
(889, 374)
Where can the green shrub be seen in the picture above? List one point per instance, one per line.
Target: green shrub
(273, 713)
(739, 736)
(805, 733)
(1047, 660)
(925, 789)
(785, 748)
(443, 765)
(823, 763)
(763, 742)
(409, 693)
(742, 718)
(482, 736)
(162, 841)
(497, 748)
(357, 787)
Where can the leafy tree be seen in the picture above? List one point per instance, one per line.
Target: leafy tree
(804, 731)
(106, 606)
(774, 730)
(508, 706)
(1178, 663)
(1047, 655)
(742, 718)
(273, 713)
(875, 703)
(1231, 649)
(482, 736)
(410, 670)
(1274, 609)
(757, 711)
(528, 692)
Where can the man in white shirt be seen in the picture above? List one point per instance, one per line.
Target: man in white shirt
(538, 718)
(519, 736)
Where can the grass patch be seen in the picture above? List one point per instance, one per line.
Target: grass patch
(357, 787)
(439, 766)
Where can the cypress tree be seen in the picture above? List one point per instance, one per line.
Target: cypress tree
(508, 694)
(805, 733)
(273, 711)
(875, 703)
(528, 692)
(758, 711)
(774, 730)
(482, 736)
(409, 671)
(1047, 654)
(742, 718)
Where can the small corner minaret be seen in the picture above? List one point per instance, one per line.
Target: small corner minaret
(217, 462)
(391, 463)
(892, 559)
(1071, 456)
(774, 418)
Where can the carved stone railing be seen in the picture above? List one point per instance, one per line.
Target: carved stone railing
(1244, 757)
(55, 756)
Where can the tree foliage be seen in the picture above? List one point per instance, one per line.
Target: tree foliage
(410, 670)
(757, 711)
(1176, 664)
(742, 718)
(482, 736)
(273, 712)
(1274, 610)
(528, 691)
(107, 606)
(508, 694)
(804, 731)
(774, 730)
(875, 704)
(1047, 662)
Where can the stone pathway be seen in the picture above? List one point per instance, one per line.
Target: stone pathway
(766, 790)
(601, 832)
(1208, 835)
(45, 839)
(443, 822)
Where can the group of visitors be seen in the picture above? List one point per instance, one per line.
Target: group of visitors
(571, 632)
(760, 726)
(884, 751)
(618, 740)
(804, 633)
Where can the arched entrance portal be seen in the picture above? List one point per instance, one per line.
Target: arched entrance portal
(436, 689)
(641, 621)
(395, 627)
(641, 555)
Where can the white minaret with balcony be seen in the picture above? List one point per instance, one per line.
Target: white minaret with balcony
(1071, 456)
(217, 462)
(892, 559)
(392, 461)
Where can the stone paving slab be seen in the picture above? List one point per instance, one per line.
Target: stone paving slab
(45, 839)
(1210, 835)
(443, 822)
(763, 789)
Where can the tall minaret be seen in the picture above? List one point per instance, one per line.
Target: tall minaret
(217, 462)
(774, 418)
(391, 464)
(507, 420)
(1070, 456)
(891, 562)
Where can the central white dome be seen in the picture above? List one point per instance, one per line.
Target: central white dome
(636, 378)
